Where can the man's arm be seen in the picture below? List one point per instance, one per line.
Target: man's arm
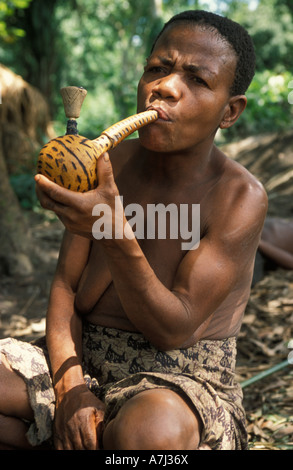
(283, 258)
(204, 278)
(77, 412)
(63, 325)
(168, 317)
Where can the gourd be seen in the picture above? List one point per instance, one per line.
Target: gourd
(70, 160)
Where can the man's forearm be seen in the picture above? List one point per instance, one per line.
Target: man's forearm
(152, 308)
(281, 257)
(64, 336)
(78, 413)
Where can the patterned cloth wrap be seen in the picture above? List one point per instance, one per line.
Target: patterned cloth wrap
(118, 364)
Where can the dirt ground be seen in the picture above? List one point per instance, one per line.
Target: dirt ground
(268, 322)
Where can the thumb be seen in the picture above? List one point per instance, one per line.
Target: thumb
(105, 170)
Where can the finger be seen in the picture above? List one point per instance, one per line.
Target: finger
(89, 441)
(62, 441)
(56, 193)
(58, 444)
(100, 431)
(77, 441)
(105, 170)
(45, 201)
(66, 443)
(51, 205)
(89, 435)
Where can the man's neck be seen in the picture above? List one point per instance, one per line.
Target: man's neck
(181, 168)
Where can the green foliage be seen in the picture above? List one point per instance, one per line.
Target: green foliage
(24, 188)
(10, 33)
(272, 31)
(268, 108)
(102, 45)
(111, 57)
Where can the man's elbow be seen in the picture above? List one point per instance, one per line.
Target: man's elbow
(166, 343)
(167, 340)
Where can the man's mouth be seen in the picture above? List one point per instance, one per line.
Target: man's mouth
(163, 116)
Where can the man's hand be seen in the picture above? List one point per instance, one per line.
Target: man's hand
(75, 209)
(78, 420)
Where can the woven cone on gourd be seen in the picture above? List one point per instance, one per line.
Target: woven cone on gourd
(70, 160)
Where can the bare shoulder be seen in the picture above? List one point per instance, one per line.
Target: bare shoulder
(240, 198)
(241, 184)
(122, 154)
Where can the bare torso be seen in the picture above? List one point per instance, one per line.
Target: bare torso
(97, 299)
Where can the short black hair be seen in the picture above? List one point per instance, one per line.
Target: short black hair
(234, 34)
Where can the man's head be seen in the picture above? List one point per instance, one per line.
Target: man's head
(194, 79)
(231, 32)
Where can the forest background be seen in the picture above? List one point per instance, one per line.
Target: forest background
(102, 45)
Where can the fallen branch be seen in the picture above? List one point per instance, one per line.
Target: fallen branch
(264, 374)
(278, 180)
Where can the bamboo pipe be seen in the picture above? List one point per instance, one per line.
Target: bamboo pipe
(112, 136)
(70, 160)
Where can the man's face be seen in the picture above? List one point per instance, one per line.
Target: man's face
(187, 79)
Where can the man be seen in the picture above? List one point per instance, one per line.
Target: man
(276, 242)
(275, 249)
(141, 334)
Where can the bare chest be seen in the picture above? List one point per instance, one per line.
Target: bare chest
(165, 231)
(166, 223)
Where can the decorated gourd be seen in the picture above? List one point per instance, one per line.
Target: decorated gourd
(70, 160)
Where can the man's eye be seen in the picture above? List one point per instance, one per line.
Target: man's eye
(154, 69)
(199, 80)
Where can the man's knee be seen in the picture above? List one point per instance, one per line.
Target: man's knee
(13, 392)
(156, 419)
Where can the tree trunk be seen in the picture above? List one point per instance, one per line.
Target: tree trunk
(24, 117)
(14, 233)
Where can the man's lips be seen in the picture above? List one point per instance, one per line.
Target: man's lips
(162, 114)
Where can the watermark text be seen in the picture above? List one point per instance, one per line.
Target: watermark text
(157, 221)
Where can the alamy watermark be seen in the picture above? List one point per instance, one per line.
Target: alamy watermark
(157, 221)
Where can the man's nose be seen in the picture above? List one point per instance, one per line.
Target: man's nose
(168, 88)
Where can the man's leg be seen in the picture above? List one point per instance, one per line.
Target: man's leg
(14, 406)
(157, 419)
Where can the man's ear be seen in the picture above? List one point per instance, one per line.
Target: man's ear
(234, 108)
